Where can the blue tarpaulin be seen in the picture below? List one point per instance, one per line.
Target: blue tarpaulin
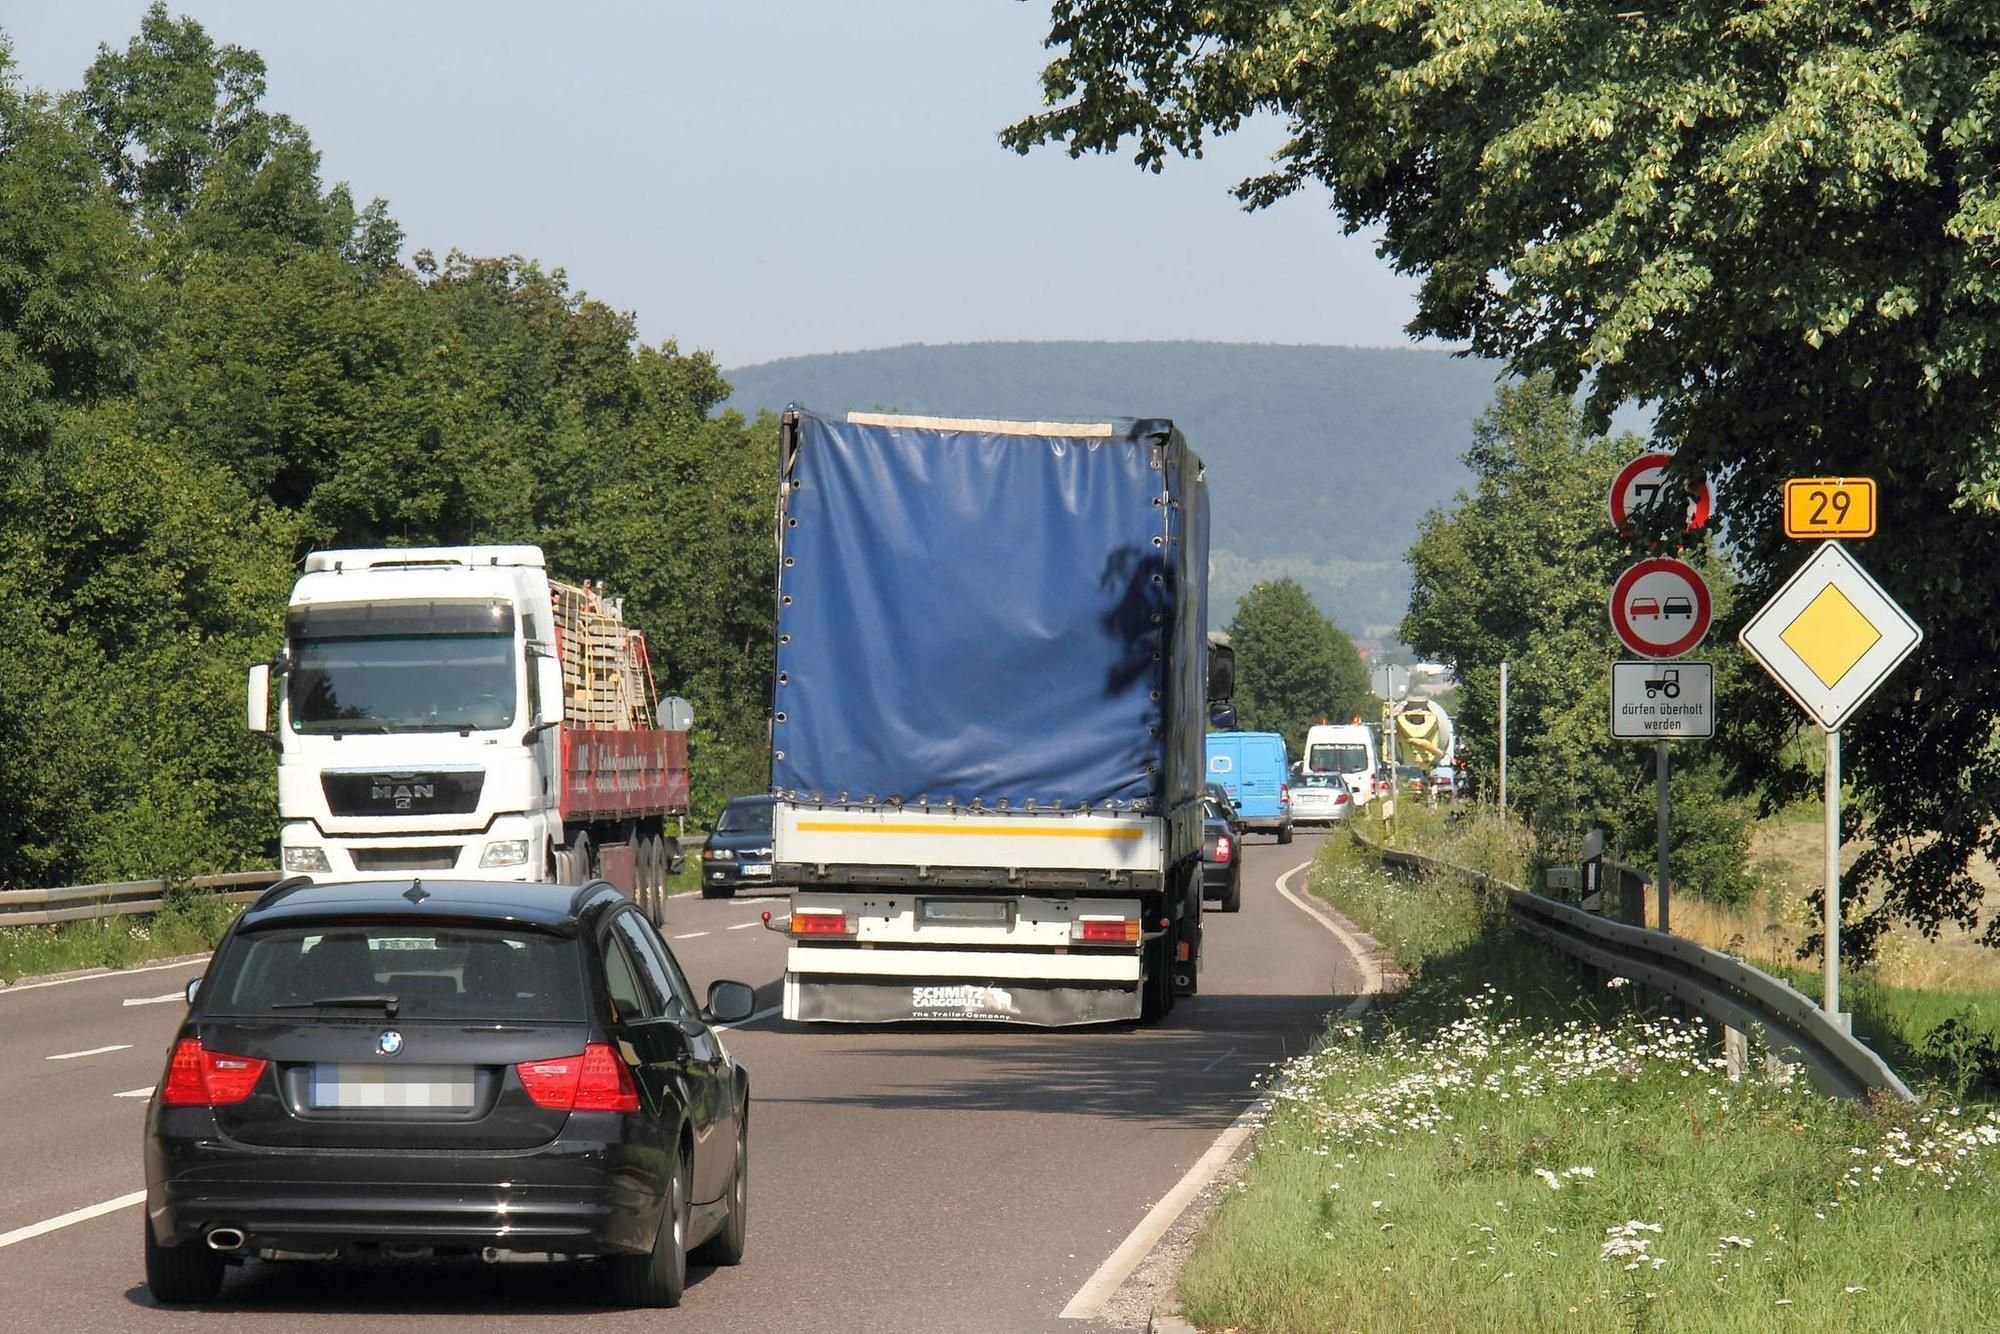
(983, 616)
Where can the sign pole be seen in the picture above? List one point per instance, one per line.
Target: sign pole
(1503, 739)
(1660, 872)
(1831, 924)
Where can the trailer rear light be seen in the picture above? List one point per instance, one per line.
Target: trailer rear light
(593, 1080)
(197, 1077)
(822, 922)
(1222, 848)
(1105, 930)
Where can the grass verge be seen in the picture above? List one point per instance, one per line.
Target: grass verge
(1511, 1144)
(190, 923)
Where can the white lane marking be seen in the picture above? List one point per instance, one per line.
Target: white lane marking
(744, 926)
(83, 1215)
(691, 935)
(1111, 1275)
(94, 1051)
(1218, 1060)
(1099, 1287)
(109, 972)
(1371, 973)
(154, 1000)
(765, 1013)
(145, 1092)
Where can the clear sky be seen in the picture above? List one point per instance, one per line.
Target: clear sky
(765, 179)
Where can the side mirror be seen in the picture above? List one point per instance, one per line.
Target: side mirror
(549, 691)
(193, 989)
(1221, 672)
(257, 712)
(1222, 718)
(729, 1002)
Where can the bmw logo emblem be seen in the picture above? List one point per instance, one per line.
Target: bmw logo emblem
(390, 1043)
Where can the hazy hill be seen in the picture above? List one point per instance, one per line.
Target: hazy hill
(1321, 460)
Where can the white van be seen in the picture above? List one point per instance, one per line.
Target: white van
(1347, 749)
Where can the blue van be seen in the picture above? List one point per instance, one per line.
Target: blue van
(1253, 769)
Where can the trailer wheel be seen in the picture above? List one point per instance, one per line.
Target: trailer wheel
(576, 863)
(655, 850)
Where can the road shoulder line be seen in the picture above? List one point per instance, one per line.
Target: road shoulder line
(1100, 1287)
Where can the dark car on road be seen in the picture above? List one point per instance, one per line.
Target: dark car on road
(1221, 856)
(738, 851)
(402, 1070)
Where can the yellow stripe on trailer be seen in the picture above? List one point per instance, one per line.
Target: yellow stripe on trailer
(1010, 829)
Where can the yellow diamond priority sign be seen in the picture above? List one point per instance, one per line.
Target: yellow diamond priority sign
(1830, 636)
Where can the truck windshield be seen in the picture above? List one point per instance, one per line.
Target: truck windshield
(402, 683)
(1338, 759)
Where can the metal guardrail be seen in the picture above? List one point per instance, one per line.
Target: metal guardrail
(1725, 989)
(77, 903)
(129, 898)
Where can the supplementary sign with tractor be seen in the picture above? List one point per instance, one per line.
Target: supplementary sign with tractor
(1651, 702)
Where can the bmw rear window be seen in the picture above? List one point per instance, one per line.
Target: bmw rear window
(430, 971)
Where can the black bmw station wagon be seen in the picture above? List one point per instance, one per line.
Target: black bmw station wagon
(405, 1070)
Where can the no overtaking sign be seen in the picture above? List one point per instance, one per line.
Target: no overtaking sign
(1660, 608)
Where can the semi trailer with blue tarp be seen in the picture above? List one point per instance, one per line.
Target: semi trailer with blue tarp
(988, 719)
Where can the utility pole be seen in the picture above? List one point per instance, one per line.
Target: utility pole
(1503, 738)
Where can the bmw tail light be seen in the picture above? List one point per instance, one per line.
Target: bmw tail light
(551, 1083)
(593, 1080)
(197, 1077)
(606, 1085)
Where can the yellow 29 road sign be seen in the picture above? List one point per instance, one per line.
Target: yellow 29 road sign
(1830, 507)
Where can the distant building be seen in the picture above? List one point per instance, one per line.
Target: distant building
(1431, 679)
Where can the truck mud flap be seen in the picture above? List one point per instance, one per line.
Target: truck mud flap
(1010, 1001)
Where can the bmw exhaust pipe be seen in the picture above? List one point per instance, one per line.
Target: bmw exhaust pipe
(225, 1239)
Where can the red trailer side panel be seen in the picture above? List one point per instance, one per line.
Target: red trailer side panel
(609, 774)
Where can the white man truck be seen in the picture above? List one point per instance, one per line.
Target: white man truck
(453, 711)
(989, 715)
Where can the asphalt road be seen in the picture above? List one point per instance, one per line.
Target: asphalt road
(914, 1178)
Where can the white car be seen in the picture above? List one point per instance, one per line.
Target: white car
(1320, 799)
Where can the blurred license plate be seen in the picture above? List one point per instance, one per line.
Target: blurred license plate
(964, 910)
(758, 868)
(353, 1085)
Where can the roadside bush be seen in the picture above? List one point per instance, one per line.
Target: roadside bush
(1709, 852)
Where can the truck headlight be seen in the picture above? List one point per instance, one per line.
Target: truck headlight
(505, 852)
(306, 859)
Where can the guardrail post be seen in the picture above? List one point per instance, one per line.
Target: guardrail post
(1735, 1053)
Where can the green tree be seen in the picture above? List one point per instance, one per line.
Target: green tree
(1293, 666)
(1776, 222)
(1518, 571)
(68, 269)
(210, 363)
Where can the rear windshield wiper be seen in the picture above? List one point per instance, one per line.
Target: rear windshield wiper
(388, 1004)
